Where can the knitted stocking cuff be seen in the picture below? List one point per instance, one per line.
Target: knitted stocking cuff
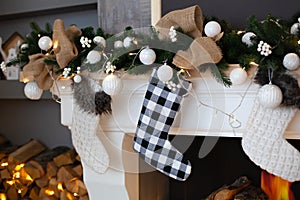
(265, 144)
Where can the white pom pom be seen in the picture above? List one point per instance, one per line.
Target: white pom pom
(112, 84)
(165, 73)
(77, 78)
(93, 57)
(238, 76)
(118, 44)
(100, 41)
(295, 28)
(128, 42)
(212, 29)
(247, 38)
(291, 61)
(147, 56)
(45, 43)
(32, 91)
(270, 96)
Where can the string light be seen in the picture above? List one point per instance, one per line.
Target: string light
(5, 164)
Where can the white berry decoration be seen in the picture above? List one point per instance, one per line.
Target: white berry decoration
(212, 29)
(238, 76)
(264, 48)
(165, 73)
(247, 38)
(147, 56)
(45, 43)
(32, 91)
(93, 57)
(100, 41)
(270, 96)
(291, 61)
(112, 84)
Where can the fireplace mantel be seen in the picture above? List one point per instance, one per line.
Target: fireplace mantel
(193, 119)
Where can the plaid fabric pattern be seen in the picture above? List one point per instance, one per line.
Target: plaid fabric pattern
(157, 115)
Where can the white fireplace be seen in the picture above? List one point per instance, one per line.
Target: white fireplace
(206, 113)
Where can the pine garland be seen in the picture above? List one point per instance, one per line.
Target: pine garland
(273, 31)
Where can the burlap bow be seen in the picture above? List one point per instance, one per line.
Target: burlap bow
(203, 49)
(64, 51)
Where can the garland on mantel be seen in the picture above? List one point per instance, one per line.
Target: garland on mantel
(271, 45)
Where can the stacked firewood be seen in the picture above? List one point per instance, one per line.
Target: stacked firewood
(32, 171)
(241, 189)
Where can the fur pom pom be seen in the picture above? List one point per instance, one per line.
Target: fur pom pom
(84, 94)
(103, 103)
(287, 84)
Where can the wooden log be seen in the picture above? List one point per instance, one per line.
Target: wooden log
(65, 195)
(53, 186)
(78, 169)
(42, 182)
(51, 169)
(34, 193)
(228, 192)
(85, 197)
(76, 186)
(5, 174)
(65, 174)
(6, 150)
(26, 152)
(12, 193)
(66, 158)
(45, 157)
(45, 194)
(34, 169)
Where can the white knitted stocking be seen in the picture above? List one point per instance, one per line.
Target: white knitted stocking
(265, 144)
(85, 127)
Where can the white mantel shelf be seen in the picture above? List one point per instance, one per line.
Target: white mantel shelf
(192, 119)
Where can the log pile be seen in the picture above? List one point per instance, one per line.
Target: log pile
(32, 171)
(241, 189)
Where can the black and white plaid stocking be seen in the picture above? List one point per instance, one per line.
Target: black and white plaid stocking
(157, 115)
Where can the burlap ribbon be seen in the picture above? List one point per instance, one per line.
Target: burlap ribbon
(64, 50)
(40, 72)
(203, 49)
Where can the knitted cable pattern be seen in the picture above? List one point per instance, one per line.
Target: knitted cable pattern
(265, 145)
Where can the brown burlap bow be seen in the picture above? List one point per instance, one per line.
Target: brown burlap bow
(64, 51)
(202, 49)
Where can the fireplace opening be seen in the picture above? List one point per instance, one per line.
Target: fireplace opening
(225, 163)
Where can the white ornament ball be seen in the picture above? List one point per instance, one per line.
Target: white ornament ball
(45, 43)
(247, 38)
(212, 29)
(112, 84)
(77, 78)
(128, 42)
(100, 41)
(238, 76)
(118, 44)
(24, 47)
(295, 28)
(147, 56)
(165, 73)
(270, 96)
(32, 91)
(291, 61)
(93, 57)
